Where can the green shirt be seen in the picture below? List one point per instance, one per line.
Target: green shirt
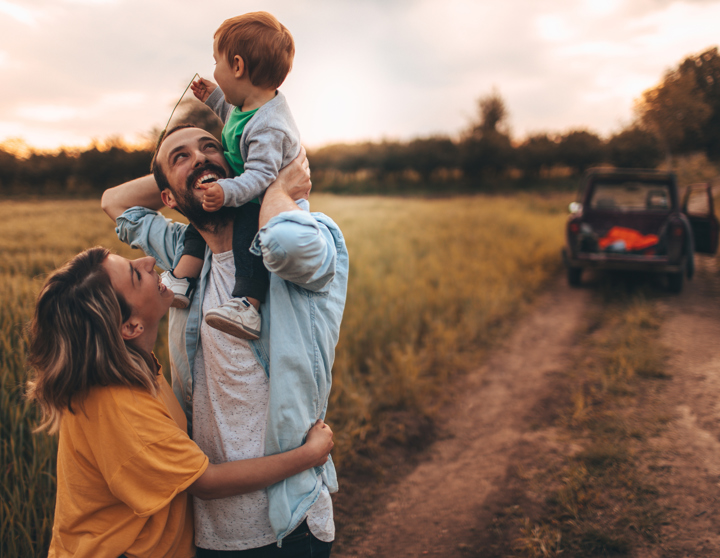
(231, 135)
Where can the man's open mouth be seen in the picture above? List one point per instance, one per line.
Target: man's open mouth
(209, 172)
(206, 178)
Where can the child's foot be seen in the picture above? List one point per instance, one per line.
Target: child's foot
(237, 317)
(181, 288)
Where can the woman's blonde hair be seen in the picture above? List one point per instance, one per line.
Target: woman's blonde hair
(75, 340)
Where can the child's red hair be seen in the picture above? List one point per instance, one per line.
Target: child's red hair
(265, 45)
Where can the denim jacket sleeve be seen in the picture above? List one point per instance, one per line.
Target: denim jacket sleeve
(153, 233)
(298, 248)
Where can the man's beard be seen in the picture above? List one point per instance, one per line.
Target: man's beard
(192, 207)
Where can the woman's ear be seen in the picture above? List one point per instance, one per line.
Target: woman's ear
(131, 329)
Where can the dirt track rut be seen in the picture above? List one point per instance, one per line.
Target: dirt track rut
(445, 504)
(436, 508)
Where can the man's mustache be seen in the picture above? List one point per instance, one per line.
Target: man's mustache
(195, 174)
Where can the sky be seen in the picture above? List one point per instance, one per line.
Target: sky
(74, 71)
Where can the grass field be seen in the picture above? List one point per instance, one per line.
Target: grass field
(431, 282)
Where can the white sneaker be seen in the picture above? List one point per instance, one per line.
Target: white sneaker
(181, 288)
(237, 317)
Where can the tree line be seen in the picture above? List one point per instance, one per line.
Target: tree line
(680, 115)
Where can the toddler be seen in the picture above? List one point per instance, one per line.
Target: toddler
(253, 55)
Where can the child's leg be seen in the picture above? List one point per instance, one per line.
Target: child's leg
(188, 266)
(251, 276)
(239, 316)
(181, 280)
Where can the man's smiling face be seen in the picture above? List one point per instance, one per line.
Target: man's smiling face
(190, 158)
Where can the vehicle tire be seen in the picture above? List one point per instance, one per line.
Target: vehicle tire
(574, 276)
(675, 281)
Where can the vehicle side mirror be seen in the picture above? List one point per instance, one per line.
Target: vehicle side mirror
(575, 207)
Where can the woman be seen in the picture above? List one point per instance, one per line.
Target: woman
(125, 461)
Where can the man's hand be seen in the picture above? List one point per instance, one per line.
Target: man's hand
(293, 183)
(319, 442)
(202, 88)
(294, 179)
(214, 196)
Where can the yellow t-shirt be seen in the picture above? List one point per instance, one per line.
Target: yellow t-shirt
(124, 462)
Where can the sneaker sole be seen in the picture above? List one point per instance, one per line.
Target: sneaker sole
(231, 328)
(180, 303)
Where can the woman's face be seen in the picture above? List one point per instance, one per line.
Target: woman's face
(139, 284)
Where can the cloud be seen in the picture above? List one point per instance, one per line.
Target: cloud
(363, 70)
(18, 13)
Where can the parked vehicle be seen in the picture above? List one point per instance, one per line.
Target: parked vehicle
(632, 219)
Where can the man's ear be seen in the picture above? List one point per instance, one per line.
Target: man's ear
(131, 329)
(168, 198)
(238, 66)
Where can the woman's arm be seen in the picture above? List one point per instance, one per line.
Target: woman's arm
(249, 475)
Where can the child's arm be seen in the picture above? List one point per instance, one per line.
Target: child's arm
(213, 197)
(217, 103)
(264, 161)
(202, 88)
(265, 155)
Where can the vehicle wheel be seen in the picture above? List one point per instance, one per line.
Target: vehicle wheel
(574, 276)
(675, 282)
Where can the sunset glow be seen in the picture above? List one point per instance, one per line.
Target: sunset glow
(74, 71)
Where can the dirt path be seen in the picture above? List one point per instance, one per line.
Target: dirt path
(436, 509)
(689, 450)
(445, 507)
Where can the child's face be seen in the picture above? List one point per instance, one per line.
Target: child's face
(226, 76)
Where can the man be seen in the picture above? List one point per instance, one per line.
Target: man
(246, 399)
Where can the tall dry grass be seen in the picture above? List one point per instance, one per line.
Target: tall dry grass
(430, 280)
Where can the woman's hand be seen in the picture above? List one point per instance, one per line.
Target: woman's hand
(318, 443)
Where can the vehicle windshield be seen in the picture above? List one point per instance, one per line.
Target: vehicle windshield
(631, 196)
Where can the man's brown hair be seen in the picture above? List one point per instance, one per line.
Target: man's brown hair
(265, 45)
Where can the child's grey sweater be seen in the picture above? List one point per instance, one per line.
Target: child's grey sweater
(270, 141)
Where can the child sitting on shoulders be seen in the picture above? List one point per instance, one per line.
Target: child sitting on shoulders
(253, 56)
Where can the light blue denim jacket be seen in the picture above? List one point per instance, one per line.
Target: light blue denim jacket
(308, 261)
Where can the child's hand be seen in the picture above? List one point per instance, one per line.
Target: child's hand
(214, 196)
(319, 442)
(202, 88)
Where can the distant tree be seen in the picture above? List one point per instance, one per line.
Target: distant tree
(104, 166)
(486, 148)
(8, 169)
(634, 147)
(580, 149)
(192, 111)
(683, 110)
(492, 113)
(426, 155)
(538, 151)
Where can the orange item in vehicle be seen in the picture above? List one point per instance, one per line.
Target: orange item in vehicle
(633, 239)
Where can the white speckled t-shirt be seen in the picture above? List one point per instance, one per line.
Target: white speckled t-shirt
(230, 405)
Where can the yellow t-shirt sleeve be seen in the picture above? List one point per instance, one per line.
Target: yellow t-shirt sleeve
(153, 476)
(143, 454)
